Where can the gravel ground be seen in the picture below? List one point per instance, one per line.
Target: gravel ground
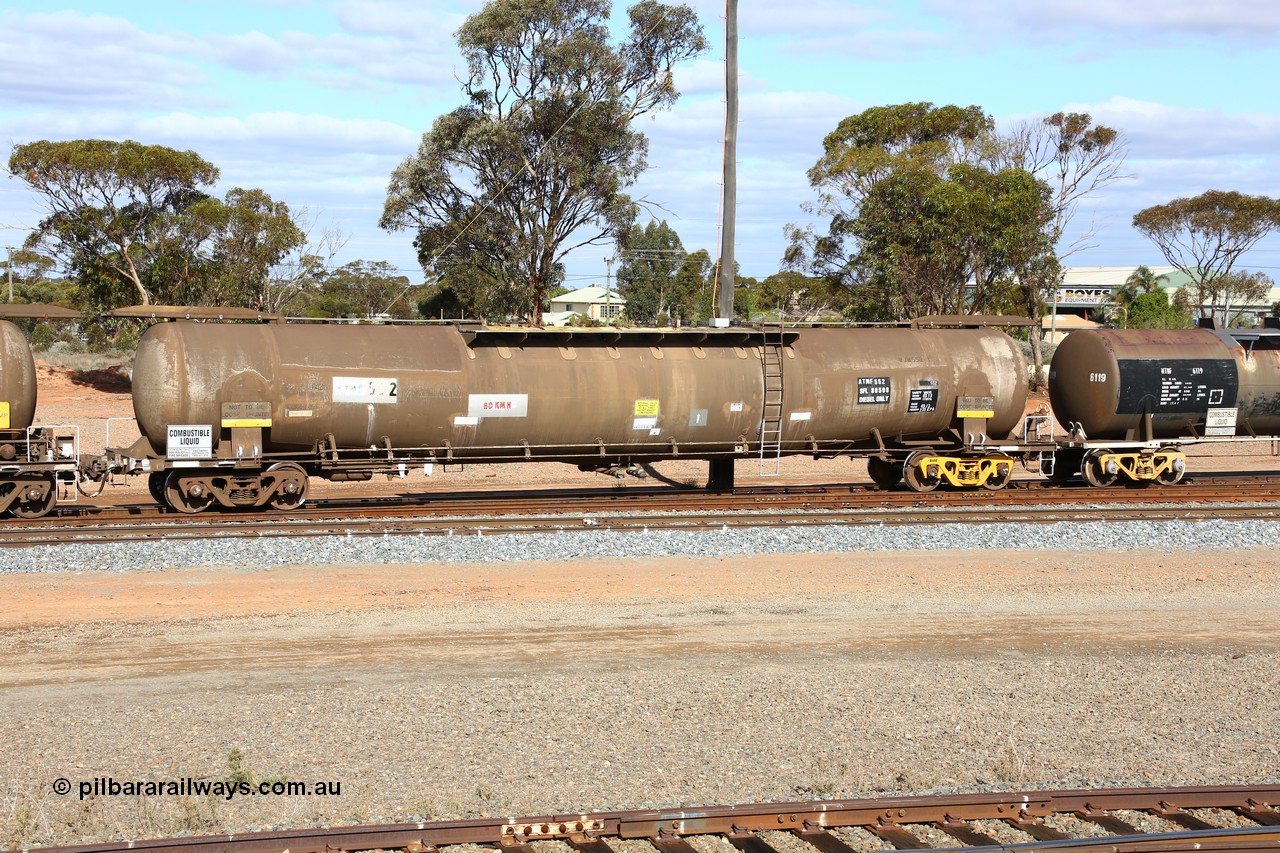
(462, 683)
(472, 547)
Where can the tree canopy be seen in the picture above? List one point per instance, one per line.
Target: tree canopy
(537, 162)
(1204, 236)
(651, 259)
(1075, 157)
(1151, 310)
(367, 290)
(133, 222)
(795, 295)
(917, 213)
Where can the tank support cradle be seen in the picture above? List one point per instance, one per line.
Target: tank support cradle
(925, 471)
(720, 475)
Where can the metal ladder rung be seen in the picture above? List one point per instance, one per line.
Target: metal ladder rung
(771, 417)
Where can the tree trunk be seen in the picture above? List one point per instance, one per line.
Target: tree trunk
(1037, 356)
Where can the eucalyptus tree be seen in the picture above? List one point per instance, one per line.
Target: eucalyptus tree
(112, 207)
(650, 259)
(538, 160)
(920, 222)
(1204, 236)
(133, 222)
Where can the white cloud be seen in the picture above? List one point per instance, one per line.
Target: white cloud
(765, 20)
(304, 133)
(1149, 20)
(252, 53)
(1159, 131)
(69, 60)
(404, 19)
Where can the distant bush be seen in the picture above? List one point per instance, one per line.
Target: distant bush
(1047, 348)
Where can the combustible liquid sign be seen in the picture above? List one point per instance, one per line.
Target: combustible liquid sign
(190, 441)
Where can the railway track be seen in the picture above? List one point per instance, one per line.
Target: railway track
(1131, 820)
(545, 511)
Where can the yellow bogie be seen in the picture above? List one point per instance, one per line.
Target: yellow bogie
(1104, 468)
(925, 471)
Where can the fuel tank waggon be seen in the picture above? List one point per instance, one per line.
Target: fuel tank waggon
(570, 394)
(1191, 382)
(17, 379)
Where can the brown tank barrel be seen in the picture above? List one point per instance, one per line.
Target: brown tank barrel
(1190, 381)
(436, 386)
(17, 379)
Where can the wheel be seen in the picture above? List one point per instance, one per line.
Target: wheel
(291, 486)
(1173, 473)
(916, 479)
(31, 503)
(1094, 473)
(155, 485)
(1000, 479)
(885, 473)
(175, 495)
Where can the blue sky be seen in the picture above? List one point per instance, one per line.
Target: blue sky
(317, 102)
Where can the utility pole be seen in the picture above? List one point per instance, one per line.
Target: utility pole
(724, 300)
(9, 267)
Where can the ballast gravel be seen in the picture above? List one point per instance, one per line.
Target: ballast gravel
(484, 547)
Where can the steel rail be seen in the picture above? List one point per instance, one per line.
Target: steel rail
(259, 526)
(573, 501)
(1239, 819)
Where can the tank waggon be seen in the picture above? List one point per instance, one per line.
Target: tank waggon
(31, 458)
(243, 415)
(17, 379)
(1129, 398)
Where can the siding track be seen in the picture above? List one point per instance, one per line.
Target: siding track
(1132, 820)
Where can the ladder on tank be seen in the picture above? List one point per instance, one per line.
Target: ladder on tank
(771, 412)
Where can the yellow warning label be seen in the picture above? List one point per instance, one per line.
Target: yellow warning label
(4, 415)
(246, 414)
(647, 408)
(976, 407)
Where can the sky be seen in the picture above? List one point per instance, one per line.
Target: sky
(317, 102)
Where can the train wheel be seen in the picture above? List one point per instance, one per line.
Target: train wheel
(916, 479)
(189, 500)
(1095, 473)
(155, 485)
(1001, 477)
(1174, 472)
(885, 473)
(291, 486)
(35, 505)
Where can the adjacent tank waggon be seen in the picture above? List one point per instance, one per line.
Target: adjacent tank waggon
(33, 459)
(243, 415)
(1129, 398)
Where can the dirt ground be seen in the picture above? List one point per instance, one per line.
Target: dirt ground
(954, 604)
